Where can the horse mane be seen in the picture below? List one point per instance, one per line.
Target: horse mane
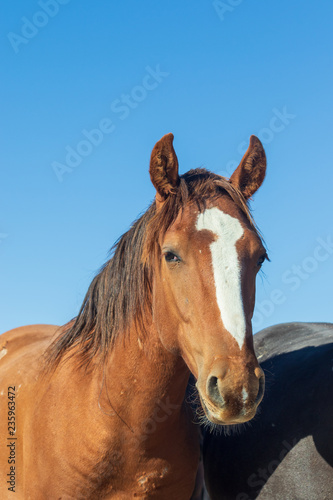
(120, 295)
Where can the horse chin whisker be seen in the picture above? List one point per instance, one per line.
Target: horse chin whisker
(218, 429)
(202, 419)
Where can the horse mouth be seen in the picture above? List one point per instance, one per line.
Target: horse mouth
(215, 414)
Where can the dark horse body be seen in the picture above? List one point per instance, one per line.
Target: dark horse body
(286, 453)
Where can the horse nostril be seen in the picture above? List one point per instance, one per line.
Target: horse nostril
(261, 389)
(213, 391)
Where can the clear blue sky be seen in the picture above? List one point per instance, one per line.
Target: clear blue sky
(213, 75)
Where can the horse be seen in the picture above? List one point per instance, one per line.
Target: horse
(286, 452)
(96, 407)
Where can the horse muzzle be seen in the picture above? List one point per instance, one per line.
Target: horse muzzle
(230, 399)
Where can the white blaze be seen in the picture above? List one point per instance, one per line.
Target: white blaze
(226, 268)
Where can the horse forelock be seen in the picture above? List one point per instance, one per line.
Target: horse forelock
(120, 295)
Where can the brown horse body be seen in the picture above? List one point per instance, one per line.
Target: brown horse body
(99, 403)
(74, 445)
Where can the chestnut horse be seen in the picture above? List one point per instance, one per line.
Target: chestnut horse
(97, 407)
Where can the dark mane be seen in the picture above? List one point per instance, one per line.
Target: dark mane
(121, 293)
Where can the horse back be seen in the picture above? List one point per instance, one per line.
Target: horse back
(21, 362)
(21, 350)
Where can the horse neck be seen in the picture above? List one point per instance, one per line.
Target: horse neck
(143, 382)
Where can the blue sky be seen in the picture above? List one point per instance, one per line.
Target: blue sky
(213, 73)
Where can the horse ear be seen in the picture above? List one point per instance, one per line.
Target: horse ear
(163, 168)
(250, 173)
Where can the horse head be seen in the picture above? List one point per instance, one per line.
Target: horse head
(208, 253)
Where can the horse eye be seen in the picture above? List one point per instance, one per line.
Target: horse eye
(262, 259)
(171, 257)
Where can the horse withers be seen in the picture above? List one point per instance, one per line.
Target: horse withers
(286, 451)
(97, 406)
